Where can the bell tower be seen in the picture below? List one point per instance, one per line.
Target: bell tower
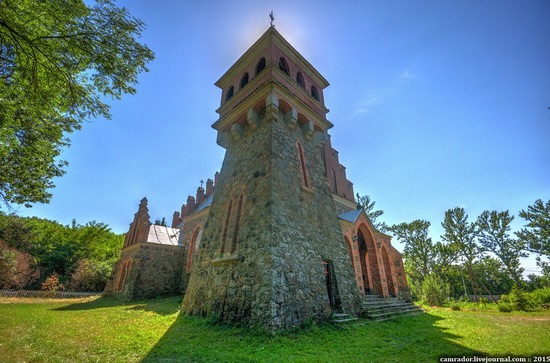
(272, 252)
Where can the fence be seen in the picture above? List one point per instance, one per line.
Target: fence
(475, 298)
(47, 294)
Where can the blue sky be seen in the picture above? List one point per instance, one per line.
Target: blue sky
(436, 104)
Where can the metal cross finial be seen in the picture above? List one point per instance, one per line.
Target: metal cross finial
(272, 18)
(202, 182)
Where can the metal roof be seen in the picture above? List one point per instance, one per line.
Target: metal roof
(164, 235)
(350, 216)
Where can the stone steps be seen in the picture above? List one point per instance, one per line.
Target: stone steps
(379, 309)
(342, 318)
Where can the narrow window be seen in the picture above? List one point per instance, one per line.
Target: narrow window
(300, 80)
(283, 66)
(123, 275)
(195, 240)
(260, 66)
(334, 186)
(302, 164)
(244, 80)
(229, 93)
(324, 159)
(225, 228)
(237, 224)
(314, 93)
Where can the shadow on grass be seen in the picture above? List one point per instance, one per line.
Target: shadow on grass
(161, 306)
(407, 339)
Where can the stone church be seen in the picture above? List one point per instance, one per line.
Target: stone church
(276, 237)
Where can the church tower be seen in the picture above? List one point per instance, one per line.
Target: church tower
(272, 252)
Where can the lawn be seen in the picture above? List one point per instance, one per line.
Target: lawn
(105, 330)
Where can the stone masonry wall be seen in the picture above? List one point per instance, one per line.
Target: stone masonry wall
(274, 277)
(154, 271)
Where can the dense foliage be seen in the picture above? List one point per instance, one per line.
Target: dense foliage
(80, 257)
(58, 61)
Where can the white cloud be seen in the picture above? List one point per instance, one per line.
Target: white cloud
(365, 105)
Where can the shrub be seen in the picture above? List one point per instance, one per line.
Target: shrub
(504, 308)
(434, 290)
(455, 306)
(90, 276)
(520, 300)
(52, 283)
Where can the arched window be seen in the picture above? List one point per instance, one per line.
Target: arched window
(226, 227)
(303, 168)
(315, 93)
(300, 80)
(260, 66)
(244, 80)
(283, 66)
(229, 93)
(237, 224)
(334, 186)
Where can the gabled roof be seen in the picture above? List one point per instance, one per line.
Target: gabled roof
(351, 216)
(163, 235)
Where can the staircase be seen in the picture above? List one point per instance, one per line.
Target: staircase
(378, 308)
(342, 318)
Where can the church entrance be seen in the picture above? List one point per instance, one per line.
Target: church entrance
(332, 286)
(363, 261)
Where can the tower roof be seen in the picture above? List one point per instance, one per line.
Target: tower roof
(271, 37)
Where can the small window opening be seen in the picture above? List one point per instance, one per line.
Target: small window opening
(244, 80)
(237, 224)
(315, 93)
(300, 80)
(283, 66)
(260, 66)
(229, 93)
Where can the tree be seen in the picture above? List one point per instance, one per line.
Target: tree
(419, 248)
(460, 232)
(58, 59)
(493, 228)
(367, 205)
(536, 233)
(160, 222)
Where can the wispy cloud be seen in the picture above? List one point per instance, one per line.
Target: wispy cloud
(364, 105)
(407, 74)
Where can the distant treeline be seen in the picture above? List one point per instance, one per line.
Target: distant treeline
(38, 253)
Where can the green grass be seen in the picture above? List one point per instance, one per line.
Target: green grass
(105, 330)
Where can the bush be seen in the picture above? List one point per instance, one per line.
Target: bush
(455, 306)
(90, 276)
(434, 290)
(52, 283)
(505, 308)
(540, 296)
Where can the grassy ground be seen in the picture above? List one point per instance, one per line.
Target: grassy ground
(104, 330)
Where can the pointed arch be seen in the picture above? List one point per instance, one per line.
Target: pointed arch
(123, 274)
(193, 246)
(369, 261)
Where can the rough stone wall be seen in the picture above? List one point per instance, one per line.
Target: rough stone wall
(154, 271)
(190, 226)
(274, 278)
